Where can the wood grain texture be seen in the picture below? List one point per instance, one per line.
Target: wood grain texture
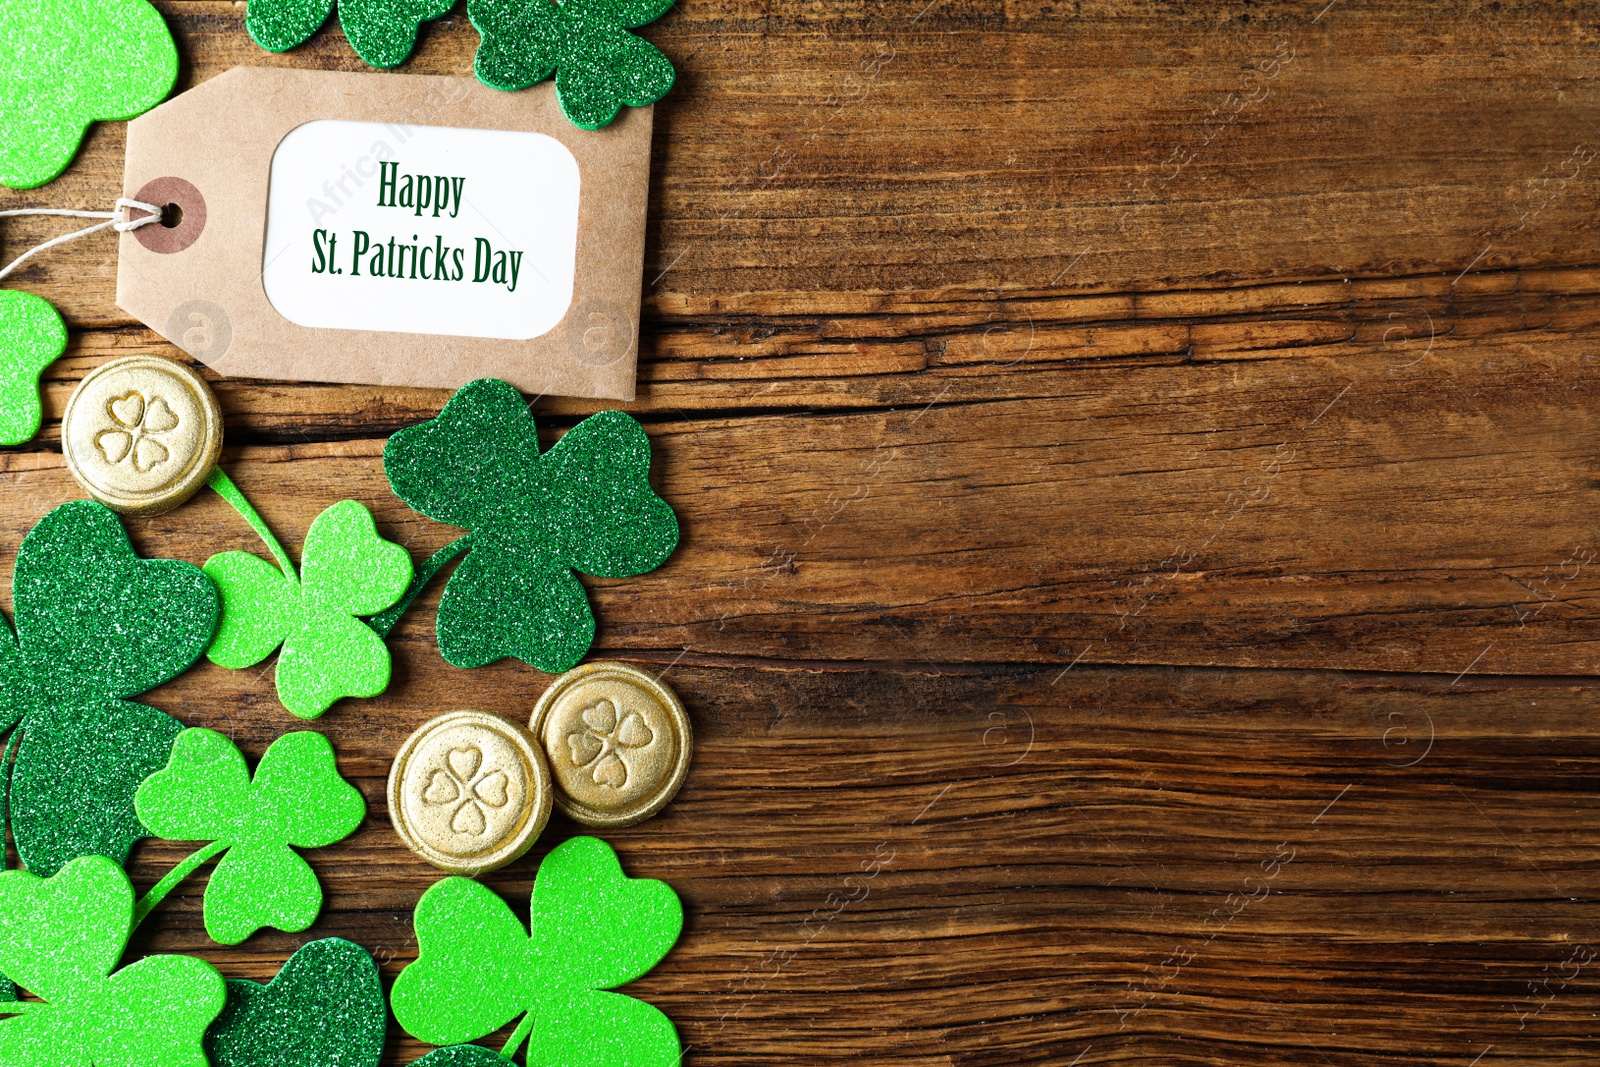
(1137, 469)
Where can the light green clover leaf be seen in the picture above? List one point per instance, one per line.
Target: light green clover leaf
(60, 938)
(599, 66)
(296, 799)
(32, 336)
(95, 625)
(584, 505)
(328, 652)
(67, 63)
(382, 32)
(594, 929)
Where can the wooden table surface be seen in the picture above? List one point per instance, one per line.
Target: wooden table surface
(1138, 467)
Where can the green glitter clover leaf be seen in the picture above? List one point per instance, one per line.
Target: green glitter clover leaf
(462, 1056)
(67, 63)
(599, 66)
(346, 571)
(585, 505)
(60, 938)
(593, 929)
(382, 32)
(32, 336)
(324, 1009)
(296, 799)
(95, 624)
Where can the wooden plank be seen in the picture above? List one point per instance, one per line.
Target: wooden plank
(978, 346)
(1373, 868)
(832, 156)
(1346, 511)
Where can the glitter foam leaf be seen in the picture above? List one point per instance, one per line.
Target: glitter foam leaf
(585, 505)
(32, 336)
(67, 63)
(95, 625)
(325, 1008)
(60, 938)
(328, 653)
(382, 32)
(599, 66)
(462, 1056)
(297, 800)
(593, 929)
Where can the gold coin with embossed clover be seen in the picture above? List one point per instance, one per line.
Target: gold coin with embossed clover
(469, 792)
(618, 742)
(141, 434)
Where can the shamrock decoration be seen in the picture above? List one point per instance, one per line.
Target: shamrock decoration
(60, 938)
(297, 798)
(585, 505)
(32, 336)
(95, 624)
(67, 63)
(324, 1009)
(347, 570)
(599, 66)
(382, 32)
(602, 745)
(593, 929)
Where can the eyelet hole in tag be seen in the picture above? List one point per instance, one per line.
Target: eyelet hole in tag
(183, 215)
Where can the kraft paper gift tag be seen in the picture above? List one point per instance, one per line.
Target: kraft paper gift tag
(390, 230)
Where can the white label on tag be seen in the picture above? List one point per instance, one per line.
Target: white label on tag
(421, 229)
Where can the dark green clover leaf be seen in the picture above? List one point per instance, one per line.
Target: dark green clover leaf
(95, 624)
(382, 32)
(599, 66)
(60, 938)
(462, 1056)
(593, 929)
(297, 799)
(324, 1009)
(586, 505)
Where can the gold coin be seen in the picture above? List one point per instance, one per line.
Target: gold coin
(618, 742)
(141, 434)
(469, 792)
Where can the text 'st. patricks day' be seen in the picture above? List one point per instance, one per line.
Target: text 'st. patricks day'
(426, 229)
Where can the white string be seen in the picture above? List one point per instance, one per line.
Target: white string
(116, 220)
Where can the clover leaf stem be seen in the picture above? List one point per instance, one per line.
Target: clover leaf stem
(518, 1036)
(385, 622)
(159, 891)
(239, 502)
(381, 623)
